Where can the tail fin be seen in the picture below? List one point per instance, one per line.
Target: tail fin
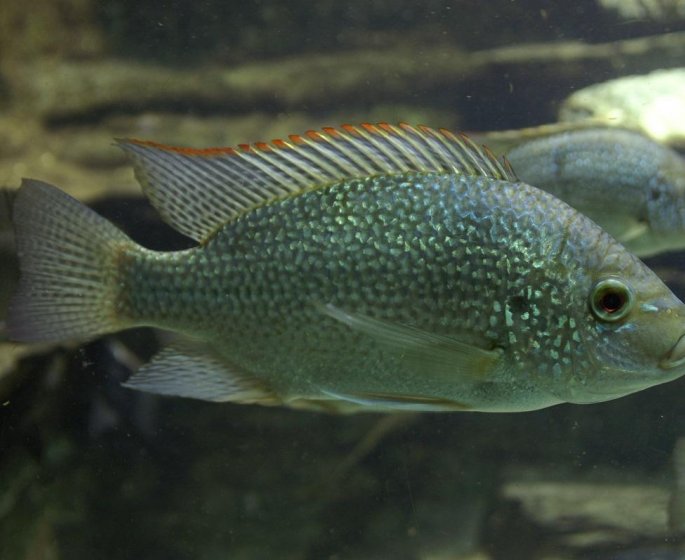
(68, 264)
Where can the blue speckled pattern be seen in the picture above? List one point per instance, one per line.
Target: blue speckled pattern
(498, 265)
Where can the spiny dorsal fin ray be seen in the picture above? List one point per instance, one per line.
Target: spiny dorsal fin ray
(197, 191)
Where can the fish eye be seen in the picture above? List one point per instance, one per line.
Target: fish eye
(611, 300)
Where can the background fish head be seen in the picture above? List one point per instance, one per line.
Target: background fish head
(632, 331)
(665, 207)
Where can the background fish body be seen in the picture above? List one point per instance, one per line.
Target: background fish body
(631, 185)
(421, 290)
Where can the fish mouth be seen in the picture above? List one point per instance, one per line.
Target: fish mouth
(676, 357)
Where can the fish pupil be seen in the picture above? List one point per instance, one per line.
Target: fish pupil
(611, 302)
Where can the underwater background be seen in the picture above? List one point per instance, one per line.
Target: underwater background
(89, 469)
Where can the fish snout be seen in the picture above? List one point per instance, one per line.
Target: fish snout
(676, 356)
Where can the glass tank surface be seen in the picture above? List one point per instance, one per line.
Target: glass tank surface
(373, 340)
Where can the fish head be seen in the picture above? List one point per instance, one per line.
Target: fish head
(658, 224)
(632, 331)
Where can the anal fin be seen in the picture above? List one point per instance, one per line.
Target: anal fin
(194, 371)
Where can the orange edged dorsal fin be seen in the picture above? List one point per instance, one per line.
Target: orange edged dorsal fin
(197, 191)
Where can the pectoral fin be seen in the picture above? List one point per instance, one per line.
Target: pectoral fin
(425, 352)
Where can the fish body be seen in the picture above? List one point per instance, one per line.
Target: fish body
(631, 185)
(413, 273)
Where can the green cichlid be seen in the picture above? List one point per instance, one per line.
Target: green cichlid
(632, 186)
(366, 268)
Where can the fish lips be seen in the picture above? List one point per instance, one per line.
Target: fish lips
(676, 357)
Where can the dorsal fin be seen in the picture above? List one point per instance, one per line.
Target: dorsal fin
(197, 191)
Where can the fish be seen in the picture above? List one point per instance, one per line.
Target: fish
(368, 268)
(631, 185)
(653, 103)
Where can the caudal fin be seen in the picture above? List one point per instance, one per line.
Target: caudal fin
(68, 267)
